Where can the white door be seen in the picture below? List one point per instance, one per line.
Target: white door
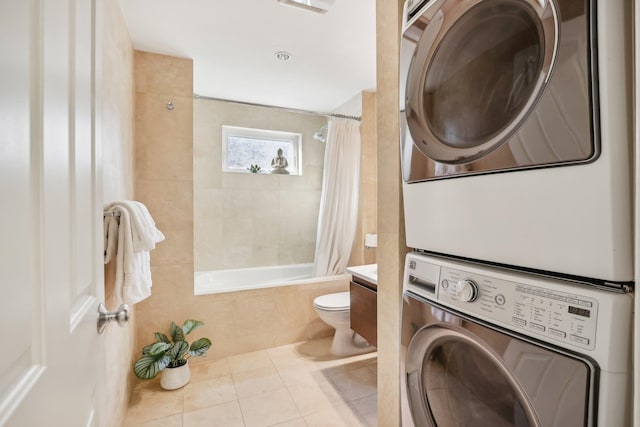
(51, 271)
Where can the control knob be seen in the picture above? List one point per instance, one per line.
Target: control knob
(467, 290)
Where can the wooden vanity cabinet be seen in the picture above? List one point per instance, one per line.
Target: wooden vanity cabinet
(364, 309)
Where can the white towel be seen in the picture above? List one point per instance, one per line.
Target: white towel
(110, 237)
(136, 236)
(145, 235)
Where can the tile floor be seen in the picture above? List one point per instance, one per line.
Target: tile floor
(297, 385)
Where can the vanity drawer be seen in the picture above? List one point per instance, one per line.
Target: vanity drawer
(364, 312)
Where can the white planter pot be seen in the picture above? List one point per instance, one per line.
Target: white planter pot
(174, 378)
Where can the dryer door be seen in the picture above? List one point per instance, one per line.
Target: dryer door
(478, 69)
(454, 379)
(471, 375)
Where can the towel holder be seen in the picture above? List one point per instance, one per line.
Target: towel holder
(114, 214)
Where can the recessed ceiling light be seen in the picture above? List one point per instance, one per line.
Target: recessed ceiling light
(283, 56)
(318, 6)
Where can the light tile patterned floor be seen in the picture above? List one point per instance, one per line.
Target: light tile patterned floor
(297, 385)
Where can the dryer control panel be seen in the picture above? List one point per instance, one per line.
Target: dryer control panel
(550, 309)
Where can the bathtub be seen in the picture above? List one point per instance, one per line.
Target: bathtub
(217, 281)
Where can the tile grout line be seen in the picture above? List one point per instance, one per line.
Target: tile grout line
(235, 389)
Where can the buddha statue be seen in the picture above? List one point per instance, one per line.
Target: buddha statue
(279, 164)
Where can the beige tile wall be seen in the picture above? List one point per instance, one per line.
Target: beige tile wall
(391, 240)
(116, 139)
(253, 220)
(163, 181)
(246, 321)
(367, 212)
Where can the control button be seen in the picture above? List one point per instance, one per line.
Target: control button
(585, 303)
(500, 300)
(467, 291)
(537, 327)
(518, 321)
(557, 333)
(579, 339)
(444, 284)
(572, 300)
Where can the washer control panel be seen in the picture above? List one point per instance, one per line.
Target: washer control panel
(554, 311)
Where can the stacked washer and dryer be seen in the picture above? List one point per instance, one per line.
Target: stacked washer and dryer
(516, 159)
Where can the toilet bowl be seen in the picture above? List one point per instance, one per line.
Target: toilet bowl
(335, 310)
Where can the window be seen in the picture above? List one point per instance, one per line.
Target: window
(244, 147)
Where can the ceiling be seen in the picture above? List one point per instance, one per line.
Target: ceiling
(233, 46)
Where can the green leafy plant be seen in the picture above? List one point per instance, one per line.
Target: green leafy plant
(170, 353)
(254, 168)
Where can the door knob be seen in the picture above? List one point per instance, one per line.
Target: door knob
(105, 317)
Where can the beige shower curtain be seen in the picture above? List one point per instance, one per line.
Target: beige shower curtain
(337, 219)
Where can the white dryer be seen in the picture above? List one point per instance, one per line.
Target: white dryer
(516, 133)
(484, 346)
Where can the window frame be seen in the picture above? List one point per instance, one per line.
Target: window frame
(293, 138)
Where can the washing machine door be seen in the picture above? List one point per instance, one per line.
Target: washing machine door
(477, 69)
(453, 379)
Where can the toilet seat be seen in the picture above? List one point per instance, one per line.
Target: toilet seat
(339, 301)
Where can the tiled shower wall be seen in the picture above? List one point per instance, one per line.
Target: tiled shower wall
(251, 220)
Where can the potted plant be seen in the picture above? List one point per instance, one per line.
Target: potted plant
(170, 356)
(254, 169)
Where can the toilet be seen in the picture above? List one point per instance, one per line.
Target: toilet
(335, 310)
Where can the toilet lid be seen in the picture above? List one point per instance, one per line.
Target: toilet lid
(337, 301)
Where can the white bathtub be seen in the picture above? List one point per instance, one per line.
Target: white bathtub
(217, 281)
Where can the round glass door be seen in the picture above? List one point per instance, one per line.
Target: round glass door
(455, 380)
(477, 74)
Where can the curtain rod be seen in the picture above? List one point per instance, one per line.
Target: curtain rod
(291, 110)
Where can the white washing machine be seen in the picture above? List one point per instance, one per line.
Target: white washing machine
(516, 133)
(484, 346)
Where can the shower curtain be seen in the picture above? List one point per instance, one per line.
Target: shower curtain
(337, 220)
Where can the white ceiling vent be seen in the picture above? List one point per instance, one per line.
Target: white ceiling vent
(318, 6)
